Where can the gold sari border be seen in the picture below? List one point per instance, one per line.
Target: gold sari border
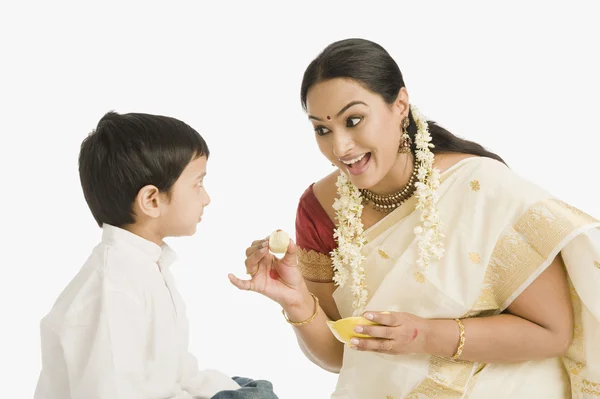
(540, 234)
(520, 255)
(447, 379)
(544, 265)
(315, 266)
(590, 388)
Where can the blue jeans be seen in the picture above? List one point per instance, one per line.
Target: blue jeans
(249, 389)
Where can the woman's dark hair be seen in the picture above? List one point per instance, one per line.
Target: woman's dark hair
(371, 65)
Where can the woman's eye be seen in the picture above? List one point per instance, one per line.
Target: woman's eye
(321, 130)
(353, 121)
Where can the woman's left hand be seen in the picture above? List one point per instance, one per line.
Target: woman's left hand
(399, 333)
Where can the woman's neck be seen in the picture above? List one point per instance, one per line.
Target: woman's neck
(397, 178)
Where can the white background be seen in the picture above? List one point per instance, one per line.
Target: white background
(519, 77)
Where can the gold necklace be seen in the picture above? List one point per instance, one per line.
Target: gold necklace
(387, 203)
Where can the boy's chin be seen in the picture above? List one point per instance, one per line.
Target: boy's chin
(185, 231)
(192, 229)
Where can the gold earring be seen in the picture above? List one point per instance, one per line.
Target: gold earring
(406, 141)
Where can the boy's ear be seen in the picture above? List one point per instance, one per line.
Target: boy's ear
(148, 201)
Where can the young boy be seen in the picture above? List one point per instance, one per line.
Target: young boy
(119, 329)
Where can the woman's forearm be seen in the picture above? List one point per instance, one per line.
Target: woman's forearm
(315, 339)
(503, 338)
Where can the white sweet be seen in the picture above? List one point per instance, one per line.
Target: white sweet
(279, 241)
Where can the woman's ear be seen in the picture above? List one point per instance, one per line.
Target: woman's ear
(402, 105)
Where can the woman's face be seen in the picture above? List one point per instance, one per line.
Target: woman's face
(356, 129)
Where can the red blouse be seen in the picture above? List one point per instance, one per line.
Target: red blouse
(314, 237)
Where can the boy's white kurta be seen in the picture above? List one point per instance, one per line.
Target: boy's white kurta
(119, 330)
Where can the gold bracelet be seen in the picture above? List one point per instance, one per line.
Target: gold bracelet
(461, 343)
(311, 318)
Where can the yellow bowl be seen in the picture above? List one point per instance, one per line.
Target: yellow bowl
(343, 329)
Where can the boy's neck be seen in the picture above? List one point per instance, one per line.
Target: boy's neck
(144, 231)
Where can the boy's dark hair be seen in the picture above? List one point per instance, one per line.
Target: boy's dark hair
(129, 151)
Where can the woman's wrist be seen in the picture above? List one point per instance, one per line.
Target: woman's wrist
(301, 309)
(442, 337)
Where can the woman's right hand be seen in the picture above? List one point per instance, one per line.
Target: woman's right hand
(277, 279)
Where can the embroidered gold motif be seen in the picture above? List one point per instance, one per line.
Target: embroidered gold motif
(546, 224)
(383, 254)
(315, 266)
(419, 277)
(591, 388)
(597, 264)
(519, 252)
(485, 306)
(446, 379)
(574, 210)
(525, 246)
(475, 186)
(475, 258)
(574, 360)
(576, 352)
(473, 380)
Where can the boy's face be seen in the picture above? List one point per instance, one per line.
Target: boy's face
(184, 211)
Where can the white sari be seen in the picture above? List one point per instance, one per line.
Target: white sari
(501, 232)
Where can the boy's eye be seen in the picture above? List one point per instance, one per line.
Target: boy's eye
(322, 130)
(353, 121)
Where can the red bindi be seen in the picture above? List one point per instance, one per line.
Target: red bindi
(328, 117)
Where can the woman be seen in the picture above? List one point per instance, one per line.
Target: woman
(483, 284)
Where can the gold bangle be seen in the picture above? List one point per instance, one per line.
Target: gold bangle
(311, 318)
(461, 342)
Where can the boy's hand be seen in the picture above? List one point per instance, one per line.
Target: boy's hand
(277, 279)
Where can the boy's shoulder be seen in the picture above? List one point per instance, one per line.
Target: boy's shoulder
(108, 270)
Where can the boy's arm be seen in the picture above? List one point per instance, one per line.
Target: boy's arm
(204, 383)
(105, 347)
